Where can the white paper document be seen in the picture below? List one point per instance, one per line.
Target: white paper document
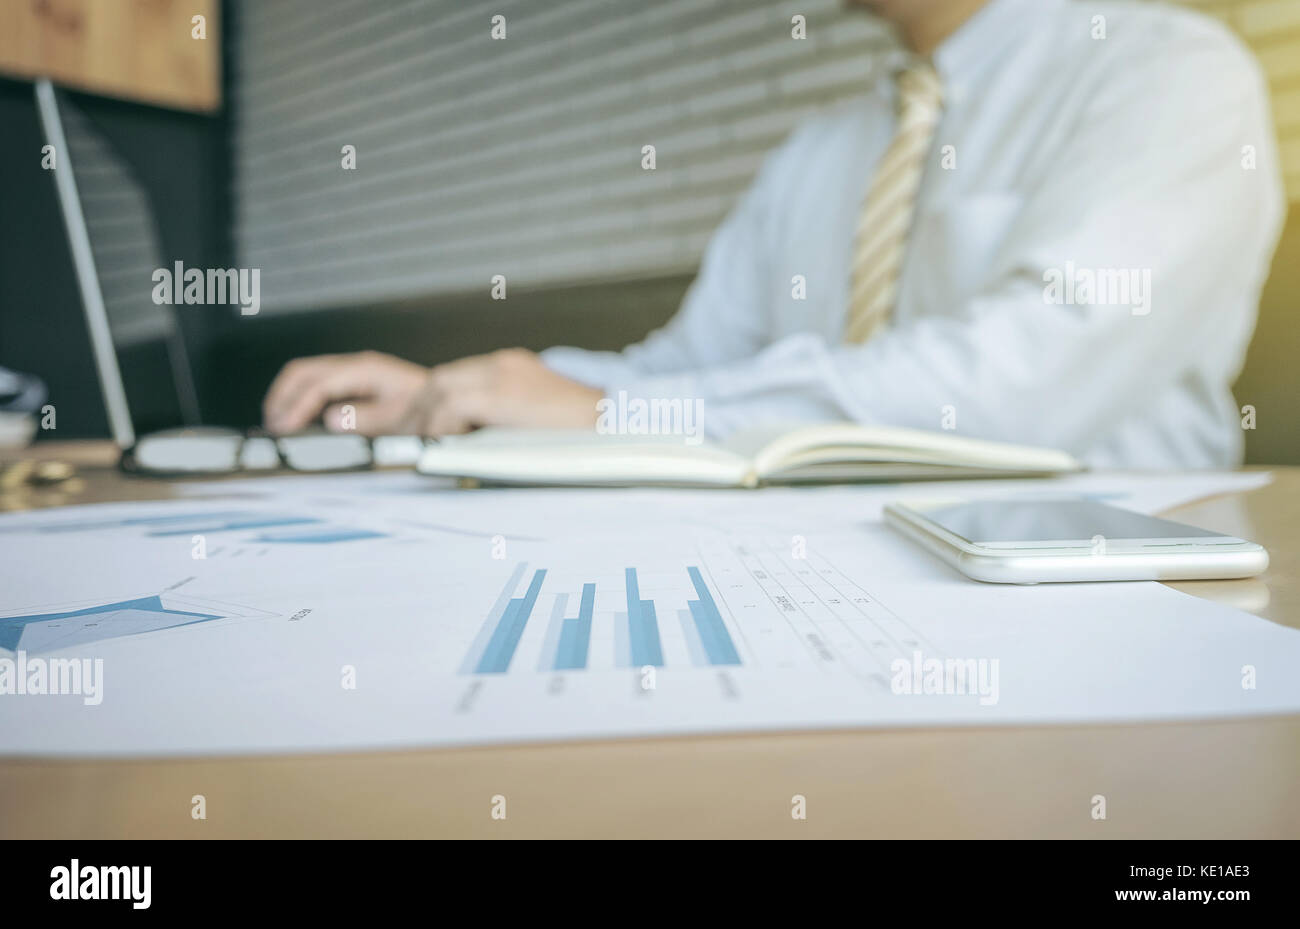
(377, 611)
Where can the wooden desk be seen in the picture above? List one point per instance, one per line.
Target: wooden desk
(1177, 780)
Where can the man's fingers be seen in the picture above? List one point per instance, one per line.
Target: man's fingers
(447, 421)
(456, 411)
(300, 410)
(308, 394)
(284, 386)
(289, 384)
(428, 413)
(361, 416)
(317, 382)
(293, 378)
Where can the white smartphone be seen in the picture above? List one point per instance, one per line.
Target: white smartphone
(1043, 541)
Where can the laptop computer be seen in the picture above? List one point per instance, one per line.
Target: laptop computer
(194, 448)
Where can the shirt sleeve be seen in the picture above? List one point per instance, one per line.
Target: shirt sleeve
(725, 314)
(1170, 177)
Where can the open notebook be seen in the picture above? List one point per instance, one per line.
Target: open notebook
(834, 452)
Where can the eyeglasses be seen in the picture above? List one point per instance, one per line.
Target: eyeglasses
(209, 450)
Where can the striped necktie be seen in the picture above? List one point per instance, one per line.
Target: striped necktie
(887, 211)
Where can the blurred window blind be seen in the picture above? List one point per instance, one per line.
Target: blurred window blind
(522, 156)
(1272, 29)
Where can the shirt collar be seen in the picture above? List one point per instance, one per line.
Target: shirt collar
(978, 42)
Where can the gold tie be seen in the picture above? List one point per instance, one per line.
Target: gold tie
(887, 210)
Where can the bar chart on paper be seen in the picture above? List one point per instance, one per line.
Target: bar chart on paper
(735, 603)
(631, 634)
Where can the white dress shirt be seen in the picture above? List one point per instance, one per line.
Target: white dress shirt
(1149, 151)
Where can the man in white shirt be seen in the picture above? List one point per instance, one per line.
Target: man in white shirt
(1045, 223)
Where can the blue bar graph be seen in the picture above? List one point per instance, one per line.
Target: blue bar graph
(708, 622)
(551, 644)
(509, 628)
(493, 620)
(691, 636)
(575, 634)
(642, 626)
(565, 644)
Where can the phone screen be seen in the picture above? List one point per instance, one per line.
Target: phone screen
(995, 521)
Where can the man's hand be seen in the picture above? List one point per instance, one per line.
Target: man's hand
(506, 388)
(380, 389)
(390, 396)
